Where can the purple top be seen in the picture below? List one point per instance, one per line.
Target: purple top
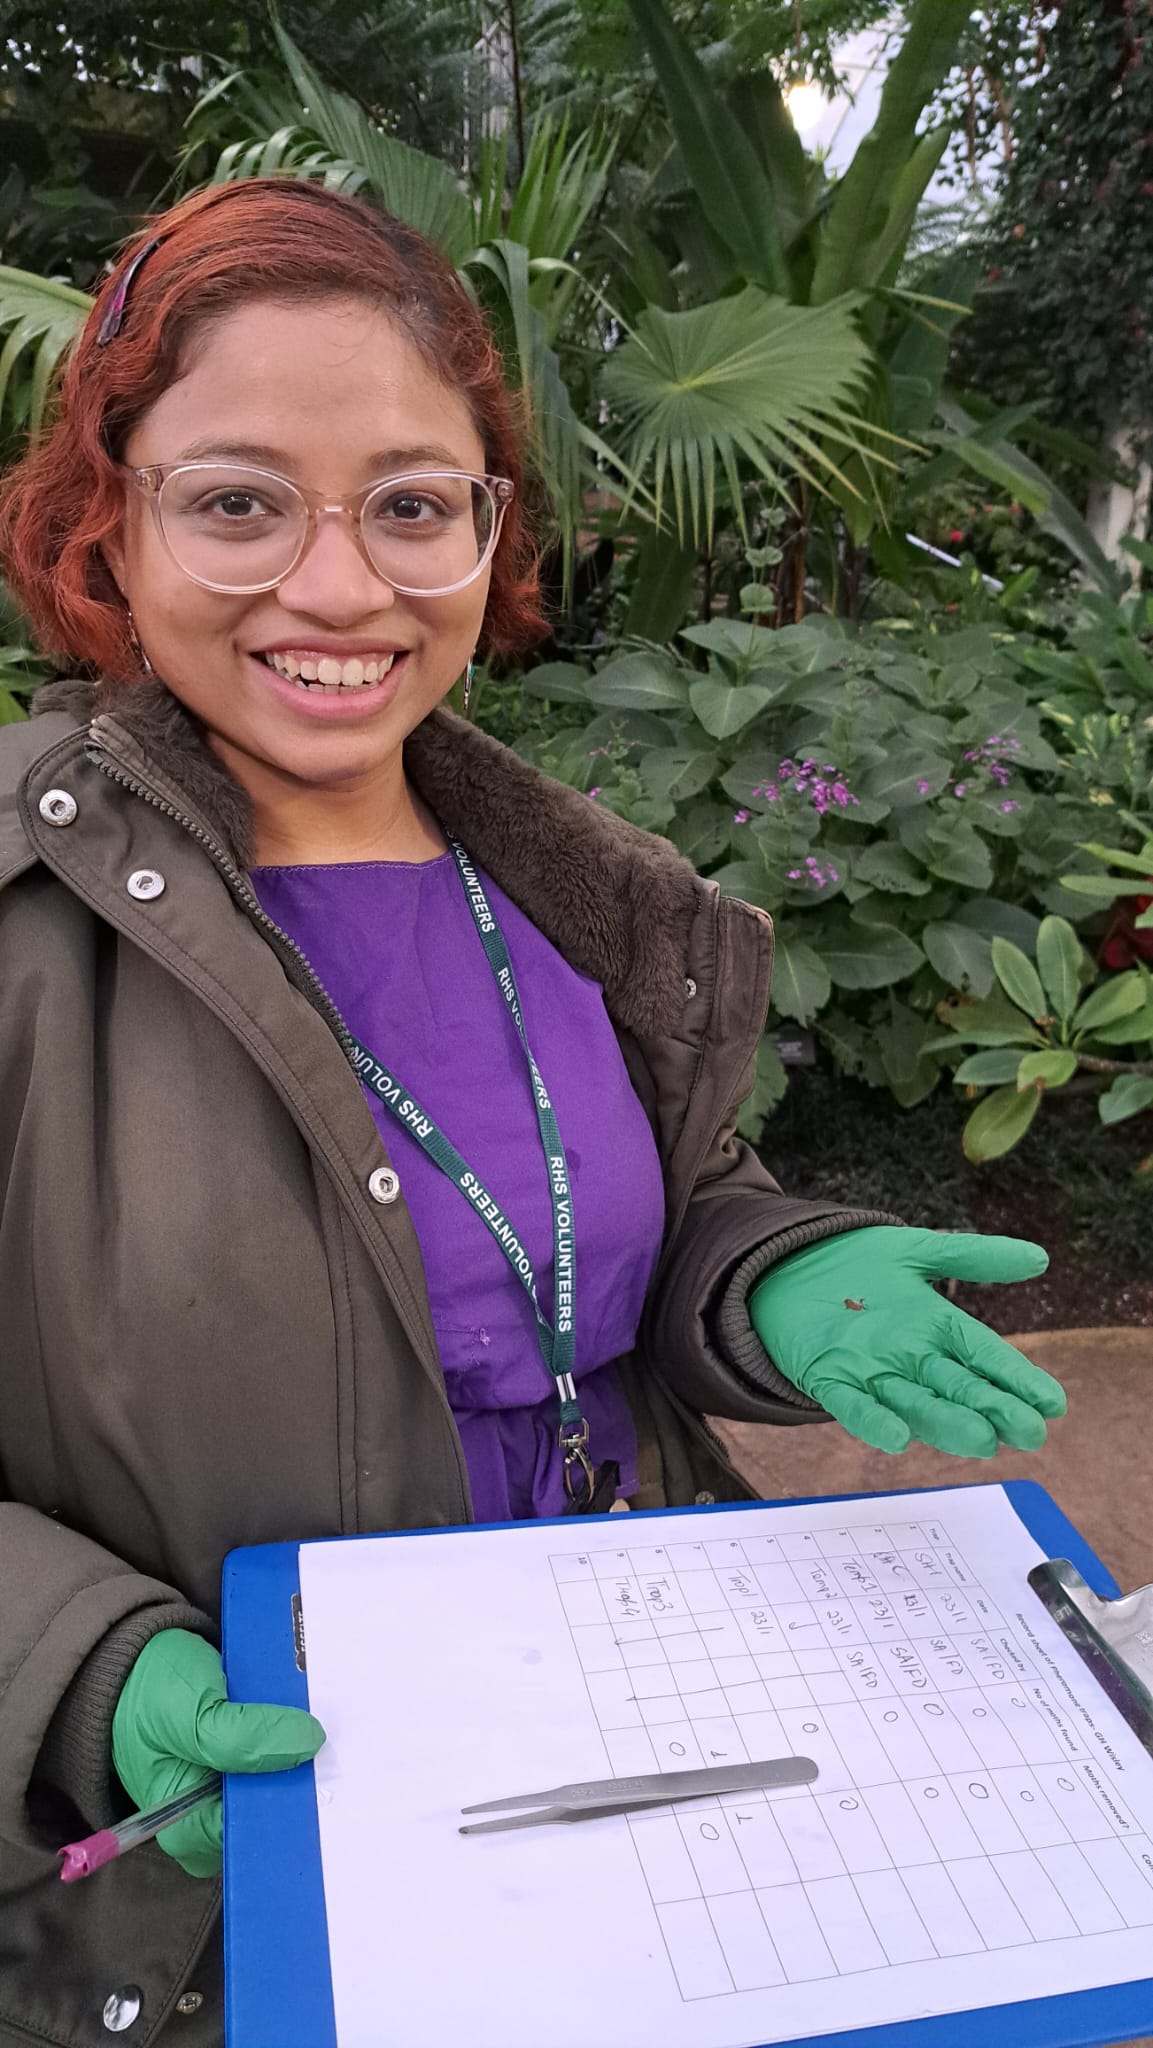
(397, 949)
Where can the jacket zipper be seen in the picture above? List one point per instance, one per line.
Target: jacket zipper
(305, 974)
(294, 957)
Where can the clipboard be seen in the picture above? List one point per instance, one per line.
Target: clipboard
(278, 1987)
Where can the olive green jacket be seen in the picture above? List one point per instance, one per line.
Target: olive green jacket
(211, 1333)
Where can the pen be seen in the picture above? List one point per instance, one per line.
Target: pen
(80, 1859)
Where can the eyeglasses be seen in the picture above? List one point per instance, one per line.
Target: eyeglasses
(428, 533)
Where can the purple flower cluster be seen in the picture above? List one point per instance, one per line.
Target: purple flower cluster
(823, 786)
(814, 873)
(988, 756)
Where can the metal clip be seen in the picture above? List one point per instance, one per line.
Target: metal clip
(573, 1440)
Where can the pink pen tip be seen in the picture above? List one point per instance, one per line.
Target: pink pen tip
(80, 1859)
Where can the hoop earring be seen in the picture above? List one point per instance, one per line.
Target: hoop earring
(469, 674)
(137, 649)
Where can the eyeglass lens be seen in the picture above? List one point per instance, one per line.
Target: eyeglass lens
(239, 529)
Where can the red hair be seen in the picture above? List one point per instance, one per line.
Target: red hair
(220, 249)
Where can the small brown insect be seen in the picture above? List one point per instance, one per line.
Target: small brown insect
(850, 1303)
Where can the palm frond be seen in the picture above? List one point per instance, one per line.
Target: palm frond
(748, 376)
(43, 318)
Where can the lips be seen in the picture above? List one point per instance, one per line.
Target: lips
(311, 669)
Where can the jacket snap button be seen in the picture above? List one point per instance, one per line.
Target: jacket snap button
(706, 1500)
(145, 884)
(189, 2002)
(690, 987)
(57, 807)
(122, 2008)
(383, 1185)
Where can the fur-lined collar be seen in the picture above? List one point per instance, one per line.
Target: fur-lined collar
(619, 903)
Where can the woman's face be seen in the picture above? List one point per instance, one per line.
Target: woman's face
(333, 396)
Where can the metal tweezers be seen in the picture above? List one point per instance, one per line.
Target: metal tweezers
(603, 1797)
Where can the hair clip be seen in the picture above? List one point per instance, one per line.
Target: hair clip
(113, 319)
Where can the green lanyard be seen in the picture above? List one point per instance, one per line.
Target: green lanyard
(558, 1341)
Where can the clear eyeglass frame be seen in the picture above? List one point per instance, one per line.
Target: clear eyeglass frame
(351, 507)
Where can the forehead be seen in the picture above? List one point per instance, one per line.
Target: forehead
(323, 387)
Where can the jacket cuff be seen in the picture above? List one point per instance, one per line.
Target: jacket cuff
(736, 1337)
(75, 1756)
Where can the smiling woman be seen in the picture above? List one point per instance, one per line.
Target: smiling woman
(367, 1101)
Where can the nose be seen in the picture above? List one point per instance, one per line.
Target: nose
(333, 579)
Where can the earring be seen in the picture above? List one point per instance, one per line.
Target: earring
(137, 649)
(469, 673)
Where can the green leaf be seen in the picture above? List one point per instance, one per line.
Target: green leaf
(565, 682)
(956, 853)
(676, 773)
(869, 956)
(1019, 978)
(906, 778)
(988, 1069)
(962, 958)
(999, 1122)
(12, 712)
(990, 915)
(1129, 1094)
(1122, 996)
(724, 708)
(1046, 1069)
(746, 379)
(1060, 957)
(888, 867)
(1102, 888)
(662, 587)
(734, 193)
(41, 315)
(993, 1021)
(642, 682)
(801, 984)
(1137, 863)
(857, 244)
(1135, 1028)
(771, 1083)
(737, 640)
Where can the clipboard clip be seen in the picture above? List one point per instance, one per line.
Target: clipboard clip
(1113, 1637)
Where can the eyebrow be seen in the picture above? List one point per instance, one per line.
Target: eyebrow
(385, 462)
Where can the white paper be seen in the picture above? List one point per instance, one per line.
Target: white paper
(980, 1831)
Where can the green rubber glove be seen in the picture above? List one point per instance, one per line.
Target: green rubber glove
(856, 1324)
(175, 1727)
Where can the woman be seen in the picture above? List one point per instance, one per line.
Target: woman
(286, 949)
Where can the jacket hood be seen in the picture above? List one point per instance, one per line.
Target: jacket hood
(619, 902)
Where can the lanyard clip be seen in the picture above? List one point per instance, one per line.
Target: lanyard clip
(573, 1438)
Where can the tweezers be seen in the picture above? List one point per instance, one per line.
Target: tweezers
(599, 1798)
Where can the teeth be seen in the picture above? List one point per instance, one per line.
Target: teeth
(328, 673)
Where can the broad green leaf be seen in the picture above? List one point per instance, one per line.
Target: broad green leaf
(990, 915)
(962, 958)
(906, 778)
(956, 853)
(1102, 888)
(676, 773)
(1025, 479)
(42, 316)
(1046, 1069)
(751, 881)
(565, 682)
(869, 956)
(854, 245)
(747, 378)
(1019, 978)
(801, 984)
(724, 708)
(992, 1021)
(901, 1043)
(12, 712)
(1136, 1028)
(1129, 1094)
(737, 640)
(735, 195)
(1059, 958)
(1137, 863)
(771, 1083)
(989, 1069)
(644, 682)
(1122, 996)
(663, 576)
(887, 866)
(999, 1122)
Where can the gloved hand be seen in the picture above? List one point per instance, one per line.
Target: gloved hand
(174, 1727)
(855, 1323)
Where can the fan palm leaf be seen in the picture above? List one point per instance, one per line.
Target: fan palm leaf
(42, 318)
(747, 377)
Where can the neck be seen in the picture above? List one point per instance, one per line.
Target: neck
(298, 824)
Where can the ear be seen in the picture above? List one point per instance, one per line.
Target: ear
(112, 549)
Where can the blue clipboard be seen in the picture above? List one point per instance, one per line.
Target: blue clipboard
(278, 1986)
